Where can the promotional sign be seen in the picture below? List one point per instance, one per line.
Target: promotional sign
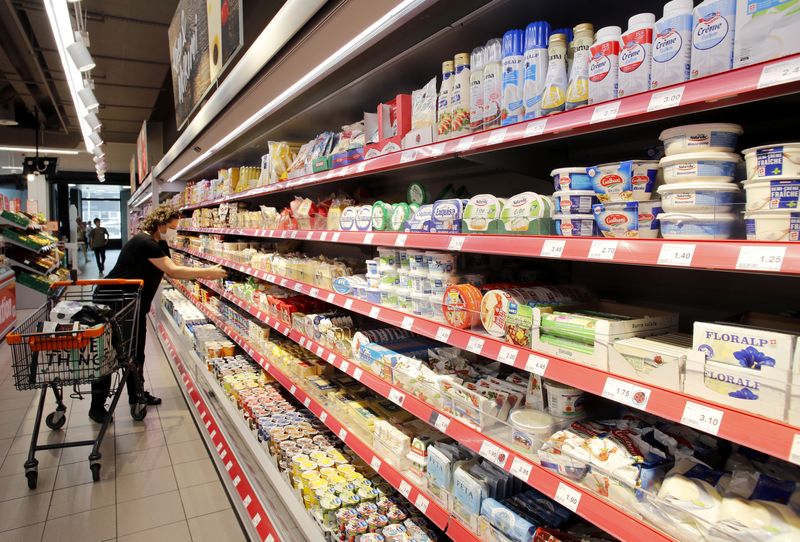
(203, 36)
(141, 154)
(133, 173)
(8, 305)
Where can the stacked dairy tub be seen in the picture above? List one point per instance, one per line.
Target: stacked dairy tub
(700, 197)
(772, 190)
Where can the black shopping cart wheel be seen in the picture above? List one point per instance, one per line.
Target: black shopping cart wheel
(33, 477)
(56, 420)
(138, 411)
(95, 471)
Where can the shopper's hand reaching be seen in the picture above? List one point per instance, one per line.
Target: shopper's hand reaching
(215, 272)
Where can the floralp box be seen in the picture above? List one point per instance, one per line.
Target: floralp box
(348, 157)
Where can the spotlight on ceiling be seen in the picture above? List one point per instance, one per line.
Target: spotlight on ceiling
(93, 122)
(89, 101)
(80, 56)
(94, 137)
(99, 152)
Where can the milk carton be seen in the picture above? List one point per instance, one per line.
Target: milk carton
(766, 29)
(636, 55)
(604, 65)
(712, 37)
(672, 45)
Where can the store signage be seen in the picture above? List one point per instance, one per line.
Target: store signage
(8, 305)
(203, 37)
(142, 160)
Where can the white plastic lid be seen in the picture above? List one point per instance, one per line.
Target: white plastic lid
(676, 7)
(531, 419)
(573, 217)
(795, 145)
(568, 193)
(641, 20)
(716, 127)
(493, 52)
(683, 187)
(607, 33)
(697, 217)
(698, 156)
(568, 170)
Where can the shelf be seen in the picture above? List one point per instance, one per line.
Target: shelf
(31, 225)
(14, 263)
(770, 436)
(137, 198)
(742, 256)
(10, 241)
(761, 81)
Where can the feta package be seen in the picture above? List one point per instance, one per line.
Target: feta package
(765, 29)
(747, 347)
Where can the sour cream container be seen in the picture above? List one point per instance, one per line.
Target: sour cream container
(530, 428)
(564, 401)
(781, 159)
(698, 225)
(711, 137)
(713, 167)
(699, 197)
(772, 193)
(574, 201)
(773, 225)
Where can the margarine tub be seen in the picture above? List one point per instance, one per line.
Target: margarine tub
(530, 428)
(773, 225)
(575, 225)
(773, 193)
(617, 220)
(698, 225)
(714, 137)
(631, 180)
(699, 197)
(571, 178)
(480, 211)
(781, 159)
(712, 167)
(577, 202)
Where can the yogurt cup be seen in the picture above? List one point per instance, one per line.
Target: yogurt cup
(564, 401)
(781, 159)
(648, 218)
(575, 225)
(529, 429)
(698, 225)
(387, 257)
(578, 202)
(772, 193)
(571, 178)
(713, 137)
(417, 260)
(373, 295)
(372, 267)
(441, 262)
(699, 197)
(373, 281)
(711, 167)
(421, 305)
(773, 225)
(404, 299)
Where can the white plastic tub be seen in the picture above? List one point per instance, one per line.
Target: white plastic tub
(774, 193)
(649, 212)
(697, 225)
(712, 167)
(577, 202)
(773, 225)
(781, 159)
(700, 197)
(575, 225)
(713, 137)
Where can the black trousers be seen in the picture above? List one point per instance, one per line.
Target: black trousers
(100, 256)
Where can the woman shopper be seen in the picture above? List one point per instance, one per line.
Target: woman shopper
(99, 239)
(146, 256)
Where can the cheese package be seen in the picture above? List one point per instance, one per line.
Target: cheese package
(420, 220)
(446, 216)
(480, 212)
(520, 211)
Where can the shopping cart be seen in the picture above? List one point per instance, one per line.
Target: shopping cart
(46, 358)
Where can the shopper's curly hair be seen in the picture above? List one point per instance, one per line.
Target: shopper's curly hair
(159, 216)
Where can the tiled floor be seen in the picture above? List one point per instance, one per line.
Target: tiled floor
(157, 480)
(88, 268)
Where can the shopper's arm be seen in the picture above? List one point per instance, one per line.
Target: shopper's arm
(171, 269)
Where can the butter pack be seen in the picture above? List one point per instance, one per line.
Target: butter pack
(747, 347)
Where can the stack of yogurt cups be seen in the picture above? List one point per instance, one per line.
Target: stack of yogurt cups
(700, 196)
(772, 191)
(574, 199)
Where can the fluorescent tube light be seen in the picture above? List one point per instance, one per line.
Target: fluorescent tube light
(45, 150)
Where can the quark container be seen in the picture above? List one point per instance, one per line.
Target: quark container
(480, 211)
(421, 305)
(773, 225)
(520, 210)
(575, 225)
(441, 262)
(699, 226)
(712, 137)
(571, 178)
(699, 197)
(631, 180)
(782, 159)
(773, 193)
(387, 258)
(564, 401)
(530, 428)
(372, 267)
(712, 167)
(446, 216)
(440, 281)
(617, 220)
(577, 202)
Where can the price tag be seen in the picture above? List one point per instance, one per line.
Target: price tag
(475, 345)
(507, 355)
(408, 156)
(536, 364)
(283, 282)
(368, 238)
(271, 233)
(293, 389)
(323, 416)
(271, 278)
(400, 240)
(497, 136)
(759, 258)
(307, 402)
(335, 237)
(456, 242)
(626, 393)
(361, 167)
(404, 489)
(605, 112)
(436, 150)
(298, 288)
(320, 351)
(702, 417)
(442, 334)
(676, 254)
(247, 500)
(407, 323)
(464, 144)
(535, 128)
(397, 397)
(553, 248)
(323, 236)
(343, 434)
(494, 453)
(284, 234)
(666, 99)
(358, 373)
(374, 312)
(442, 423)
(348, 304)
(302, 341)
(568, 497)
(422, 503)
(375, 463)
(344, 366)
(331, 357)
(603, 250)
(294, 234)
(781, 72)
(521, 469)
(309, 235)
(794, 453)
(314, 292)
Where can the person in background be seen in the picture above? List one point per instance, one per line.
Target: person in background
(99, 242)
(80, 237)
(146, 257)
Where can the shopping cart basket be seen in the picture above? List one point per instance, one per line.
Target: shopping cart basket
(44, 358)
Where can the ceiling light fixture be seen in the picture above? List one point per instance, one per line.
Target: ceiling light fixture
(93, 121)
(80, 56)
(99, 152)
(88, 99)
(45, 150)
(13, 168)
(94, 137)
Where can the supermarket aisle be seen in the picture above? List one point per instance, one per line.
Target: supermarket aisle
(90, 271)
(157, 480)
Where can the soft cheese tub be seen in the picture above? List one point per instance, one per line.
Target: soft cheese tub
(774, 193)
(716, 137)
(631, 180)
(782, 159)
(773, 225)
(578, 202)
(700, 197)
(715, 167)
(571, 178)
(530, 428)
(649, 212)
(697, 225)
(575, 225)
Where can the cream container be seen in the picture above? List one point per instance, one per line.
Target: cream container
(773, 193)
(441, 262)
(713, 167)
(529, 429)
(564, 401)
(773, 225)
(711, 137)
(781, 159)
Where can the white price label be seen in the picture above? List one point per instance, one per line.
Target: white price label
(302, 341)
(271, 278)
(343, 434)
(436, 150)
(247, 500)
(284, 282)
(535, 128)
(397, 397)
(331, 357)
(782, 72)
(442, 423)
(307, 402)
(666, 99)
(464, 144)
(553, 248)
(344, 366)
(497, 136)
(568, 497)
(400, 240)
(335, 237)
(237, 481)
(702, 417)
(521, 469)
(374, 312)
(760, 258)
(475, 345)
(404, 489)
(309, 235)
(676, 254)
(603, 250)
(494, 453)
(376, 463)
(284, 234)
(408, 156)
(323, 416)
(298, 288)
(368, 238)
(348, 304)
(357, 374)
(320, 351)
(271, 233)
(794, 453)
(536, 364)
(626, 393)
(330, 297)
(442, 334)
(293, 389)
(422, 503)
(294, 234)
(323, 236)
(507, 355)
(456, 242)
(407, 323)
(605, 112)
(314, 292)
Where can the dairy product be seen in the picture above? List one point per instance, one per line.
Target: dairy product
(782, 159)
(446, 216)
(718, 167)
(617, 220)
(574, 201)
(571, 178)
(480, 211)
(554, 95)
(381, 216)
(765, 29)
(697, 225)
(649, 211)
(715, 137)
(513, 74)
(519, 210)
(773, 225)
(631, 180)
(672, 45)
(364, 218)
(420, 220)
(575, 225)
(748, 347)
(347, 221)
(476, 89)
(564, 401)
(492, 83)
(635, 56)
(713, 27)
(460, 100)
(401, 212)
(578, 85)
(774, 193)
(699, 197)
(444, 107)
(604, 65)
(529, 428)
(535, 68)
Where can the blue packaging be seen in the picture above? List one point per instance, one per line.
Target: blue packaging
(617, 220)
(446, 215)
(507, 521)
(574, 202)
(571, 178)
(534, 67)
(421, 220)
(513, 75)
(575, 225)
(672, 50)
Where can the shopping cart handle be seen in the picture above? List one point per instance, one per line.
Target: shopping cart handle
(98, 282)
